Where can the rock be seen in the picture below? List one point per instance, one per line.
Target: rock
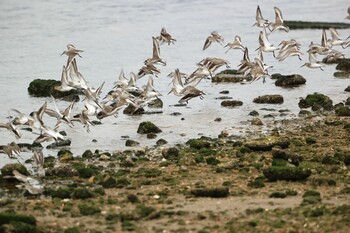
(218, 119)
(225, 92)
(131, 143)
(8, 169)
(104, 157)
(148, 127)
(156, 103)
(161, 142)
(344, 64)
(131, 110)
(256, 121)
(288, 173)
(293, 80)
(342, 111)
(316, 101)
(65, 156)
(342, 74)
(230, 76)
(311, 197)
(292, 24)
(151, 135)
(175, 114)
(171, 153)
(63, 171)
(46, 87)
(87, 154)
(267, 143)
(211, 192)
(347, 89)
(347, 102)
(198, 143)
(231, 103)
(269, 99)
(304, 113)
(253, 113)
(290, 157)
(60, 143)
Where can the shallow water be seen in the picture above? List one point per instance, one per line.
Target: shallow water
(117, 35)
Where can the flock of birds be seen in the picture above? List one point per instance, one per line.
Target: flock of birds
(126, 91)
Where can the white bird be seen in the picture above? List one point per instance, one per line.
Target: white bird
(336, 39)
(165, 37)
(236, 44)
(155, 59)
(313, 63)
(32, 185)
(260, 21)
(264, 43)
(71, 52)
(278, 24)
(214, 37)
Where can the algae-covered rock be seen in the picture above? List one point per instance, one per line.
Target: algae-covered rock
(231, 103)
(46, 87)
(215, 192)
(6, 218)
(65, 156)
(156, 103)
(87, 154)
(311, 197)
(344, 64)
(269, 99)
(294, 24)
(198, 143)
(256, 121)
(147, 127)
(131, 143)
(293, 80)
(60, 143)
(342, 111)
(230, 75)
(132, 110)
(171, 153)
(275, 173)
(267, 143)
(8, 169)
(316, 101)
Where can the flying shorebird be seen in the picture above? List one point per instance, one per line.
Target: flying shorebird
(71, 52)
(165, 37)
(32, 185)
(260, 21)
(336, 39)
(61, 116)
(214, 37)
(65, 84)
(236, 44)
(11, 127)
(264, 43)
(313, 63)
(11, 150)
(278, 24)
(155, 59)
(348, 16)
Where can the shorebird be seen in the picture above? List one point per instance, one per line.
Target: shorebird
(188, 92)
(346, 44)
(149, 91)
(336, 39)
(197, 75)
(77, 80)
(148, 69)
(313, 63)
(32, 185)
(122, 81)
(61, 116)
(278, 24)
(289, 51)
(264, 43)
(260, 21)
(165, 37)
(348, 16)
(11, 127)
(236, 44)
(65, 84)
(333, 56)
(71, 52)
(38, 163)
(108, 110)
(213, 63)
(258, 70)
(83, 118)
(155, 59)
(22, 119)
(323, 48)
(11, 150)
(214, 37)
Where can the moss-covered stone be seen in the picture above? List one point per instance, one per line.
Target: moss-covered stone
(6, 218)
(267, 143)
(344, 64)
(171, 153)
(42, 87)
(148, 127)
(311, 197)
(61, 192)
(60, 143)
(212, 160)
(8, 169)
(198, 143)
(109, 182)
(293, 24)
(142, 211)
(87, 154)
(275, 173)
(278, 195)
(65, 156)
(211, 192)
(82, 193)
(230, 75)
(316, 101)
(231, 103)
(131, 143)
(89, 209)
(342, 111)
(86, 172)
(269, 99)
(256, 183)
(293, 80)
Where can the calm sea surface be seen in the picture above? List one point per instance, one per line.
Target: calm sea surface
(117, 35)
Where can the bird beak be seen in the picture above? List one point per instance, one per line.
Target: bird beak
(302, 65)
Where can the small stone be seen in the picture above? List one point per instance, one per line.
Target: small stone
(8, 169)
(171, 153)
(231, 103)
(148, 127)
(151, 135)
(253, 113)
(344, 64)
(175, 114)
(256, 121)
(225, 92)
(269, 99)
(131, 143)
(104, 157)
(156, 103)
(161, 142)
(57, 144)
(87, 154)
(293, 80)
(65, 156)
(218, 119)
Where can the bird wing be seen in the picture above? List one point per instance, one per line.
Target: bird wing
(278, 16)
(334, 34)
(207, 42)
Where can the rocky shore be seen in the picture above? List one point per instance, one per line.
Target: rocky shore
(296, 179)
